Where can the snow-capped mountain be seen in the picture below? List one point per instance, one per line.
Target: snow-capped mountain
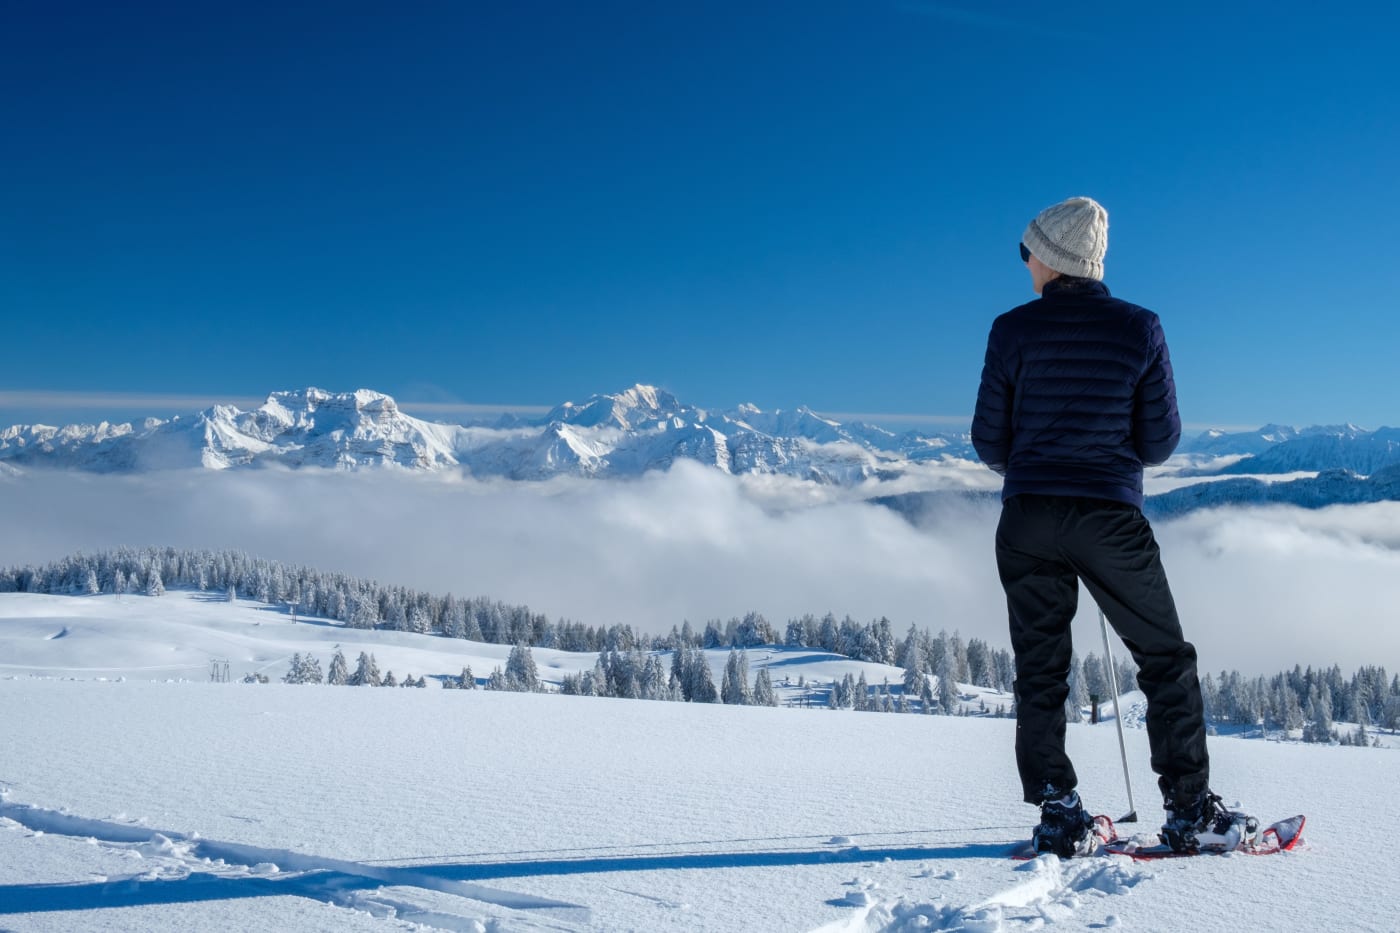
(1342, 448)
(646, 428)
(310, 427)
(627, 434)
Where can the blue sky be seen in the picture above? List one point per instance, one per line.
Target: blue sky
(784, 203)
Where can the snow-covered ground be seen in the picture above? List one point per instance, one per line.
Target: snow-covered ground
(164, 802)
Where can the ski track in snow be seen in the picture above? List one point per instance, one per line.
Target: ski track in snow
(207, 869)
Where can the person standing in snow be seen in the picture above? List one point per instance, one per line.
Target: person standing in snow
(1077, 394)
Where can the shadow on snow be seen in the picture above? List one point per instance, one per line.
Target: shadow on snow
(335, 886)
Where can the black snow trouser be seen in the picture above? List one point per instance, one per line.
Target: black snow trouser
(1045, 545)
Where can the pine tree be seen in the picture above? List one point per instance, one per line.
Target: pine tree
(913, 666)
(947, 689)
(310, 670)
(1319, 726)
(466, 681)
(1078, 697)
(339, 674)
(702, 682)
(521, 672)
(735, 688)
(389, 680)
(763, 694)
(155, 586)
(90, 586)
(293, 675)
(366, 672)
(796, 634)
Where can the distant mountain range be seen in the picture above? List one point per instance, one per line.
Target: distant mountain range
(627, 434)
(645, 428)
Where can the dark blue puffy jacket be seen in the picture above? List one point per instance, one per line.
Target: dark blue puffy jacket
(1077, 394)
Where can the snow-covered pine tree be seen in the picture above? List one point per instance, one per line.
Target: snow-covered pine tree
(913, 666)
(90, 586)
(1319, 714)
(1095, 677)
(702, 688)
(339, 674)
(311, 670)
(655, 683)
(763, 694)
(735, 688)
(155, 586)
(926, 697)
(497, 680)
(465, 680)
(1126, 669)
(389, 680)
(365, 612)
(714, 635)
(979, 663)
(293, 675)
(366, 672)
(846, 693)
(1078, 697)
(796, 635)
(862, 702)
(521, 672)
(678, 668)
(947, 689)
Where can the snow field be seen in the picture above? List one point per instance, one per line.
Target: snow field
(446, 808)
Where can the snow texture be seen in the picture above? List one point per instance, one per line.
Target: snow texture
(137, 805)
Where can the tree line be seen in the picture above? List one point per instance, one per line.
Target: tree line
(629, 666)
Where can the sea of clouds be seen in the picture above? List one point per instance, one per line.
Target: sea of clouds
(1258, 588)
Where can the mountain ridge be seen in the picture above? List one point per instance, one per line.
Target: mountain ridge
(644, 428)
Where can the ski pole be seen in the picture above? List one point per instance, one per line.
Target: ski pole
(1117, 719)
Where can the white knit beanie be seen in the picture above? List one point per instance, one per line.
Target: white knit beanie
(1070, 237)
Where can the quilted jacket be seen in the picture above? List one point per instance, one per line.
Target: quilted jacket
(1076, 396)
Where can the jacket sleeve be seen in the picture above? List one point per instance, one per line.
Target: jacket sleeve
(1156, 421)
(991, 422)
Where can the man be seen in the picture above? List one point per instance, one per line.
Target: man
(1077, 395)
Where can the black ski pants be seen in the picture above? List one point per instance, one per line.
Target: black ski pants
(1045, 545)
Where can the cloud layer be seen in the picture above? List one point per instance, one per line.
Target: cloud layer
(1257, 589)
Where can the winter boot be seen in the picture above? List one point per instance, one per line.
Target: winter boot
(1064, 828)
(1204, 824)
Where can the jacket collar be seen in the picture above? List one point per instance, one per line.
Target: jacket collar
(1070, 285)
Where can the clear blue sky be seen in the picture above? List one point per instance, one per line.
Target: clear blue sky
(786, 203)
